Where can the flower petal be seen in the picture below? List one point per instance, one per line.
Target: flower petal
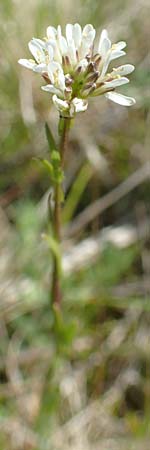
(116, 82)
(37, 51)
(105, 64)
(88, 36)
(77, 35)
(50, 52)
(119, 45)
(56, 75)
(116, 54)
(69, 32)
(56, 51)
(61, 41)
(72, 52)
(104, 35)
(54, 67)
(120, 99)
(51, 89)
(61, 105)
(40, 42)
(104, 43)
(88, 33)
(27, 63)
(123, 70)
(79, 104)
(51, 32)
(39, 68)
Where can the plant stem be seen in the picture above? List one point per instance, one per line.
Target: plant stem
(56, 291)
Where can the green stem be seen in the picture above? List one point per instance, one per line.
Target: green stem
(56, 291)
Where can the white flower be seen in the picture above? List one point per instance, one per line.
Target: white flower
(75, 71)
(61, 105)
(69, 109)
(78, 105)
(42, 54)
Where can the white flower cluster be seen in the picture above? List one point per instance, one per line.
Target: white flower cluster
(74, 70)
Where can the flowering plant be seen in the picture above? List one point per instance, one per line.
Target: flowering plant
(74, 71)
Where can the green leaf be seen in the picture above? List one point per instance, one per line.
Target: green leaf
(78, 187)
(50, 138)
(46, 165)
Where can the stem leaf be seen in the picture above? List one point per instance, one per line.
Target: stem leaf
(50, 138)
(46, 164)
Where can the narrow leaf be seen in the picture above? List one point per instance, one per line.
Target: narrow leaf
(50, 138)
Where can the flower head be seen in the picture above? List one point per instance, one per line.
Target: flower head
(74, 70)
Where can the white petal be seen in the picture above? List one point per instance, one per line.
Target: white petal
(104, 35)
(77, 35)
(79, 104)
(53, 67)
(56, 51)
(69, 31)
(51, 32)
(119, 46)
(37, 51)
(61, 105)
(120, 99)
(88, 36)
(105, 64)
(62, 43)
(59, 33)
(89, 33)
(51, 89)
(27, 63)
(61, 81)
(105, 47)
(56, 75)
(72, 52)
(39, 42)
(116, 82)
(40, 68)
(50, 52)
(116, 54)
(123, 70)
(104, 43)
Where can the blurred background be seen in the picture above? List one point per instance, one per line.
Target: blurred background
(86, 386)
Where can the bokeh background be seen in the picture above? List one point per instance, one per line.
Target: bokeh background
(85, 385)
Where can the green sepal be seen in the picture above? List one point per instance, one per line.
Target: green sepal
(50, 138)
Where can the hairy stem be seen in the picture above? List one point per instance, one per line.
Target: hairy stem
(56, 291)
